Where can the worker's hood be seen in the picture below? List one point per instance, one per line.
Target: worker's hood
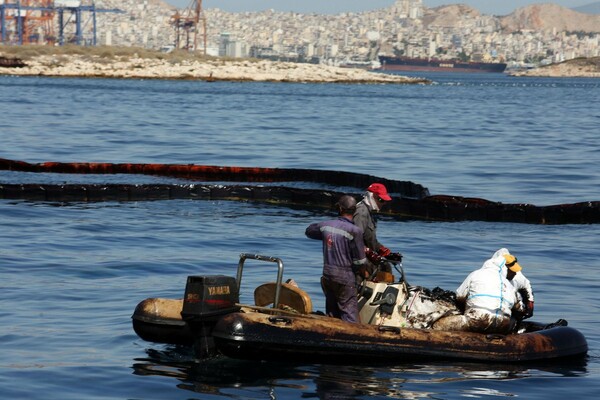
(369, 200)
(497, 263)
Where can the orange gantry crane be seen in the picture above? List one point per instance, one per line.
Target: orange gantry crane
(28, 21)
(186, 24)
(33, 21)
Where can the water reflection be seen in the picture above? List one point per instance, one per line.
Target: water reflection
(234, 378)
(350, 382)
(218, 374)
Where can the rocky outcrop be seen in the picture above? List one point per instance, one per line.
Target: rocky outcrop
(539, 17)
(210, 70)
(576, 68)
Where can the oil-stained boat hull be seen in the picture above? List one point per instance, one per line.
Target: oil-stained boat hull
(212, 320)
(315, 339)
(159, 320)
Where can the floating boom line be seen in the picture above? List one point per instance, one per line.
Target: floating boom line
(410, 200)
(222, 173)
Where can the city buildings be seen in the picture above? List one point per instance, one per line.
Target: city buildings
(406, 28)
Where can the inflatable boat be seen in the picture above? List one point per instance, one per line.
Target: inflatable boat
(396, 321)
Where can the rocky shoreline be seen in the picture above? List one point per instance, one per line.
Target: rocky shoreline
(207, 70)
(576, 68)
(241, 70)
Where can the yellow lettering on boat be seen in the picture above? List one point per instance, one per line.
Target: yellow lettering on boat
(217, 290)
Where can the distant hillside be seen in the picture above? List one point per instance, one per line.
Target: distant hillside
(449, 15)
(593, 8)
(534, 17)
(547, 16)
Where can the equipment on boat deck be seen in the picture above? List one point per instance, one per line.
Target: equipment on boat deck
(395, 325)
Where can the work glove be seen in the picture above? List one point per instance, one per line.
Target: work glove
(373, 257)
(528, 310)
(383, 251)
(394, 257)
(387, 253)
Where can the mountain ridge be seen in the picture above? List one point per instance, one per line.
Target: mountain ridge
(534, 17)
(549, 16)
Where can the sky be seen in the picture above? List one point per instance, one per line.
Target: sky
(495, 7)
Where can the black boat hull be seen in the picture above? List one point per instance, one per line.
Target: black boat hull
(321, 339)
(159, 320)
(422, 64)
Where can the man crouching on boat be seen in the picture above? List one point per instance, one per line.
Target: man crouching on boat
(343, 254)
(488, 298)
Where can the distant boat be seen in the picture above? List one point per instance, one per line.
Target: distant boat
(11, 62)
(360, 64)
(389, 63)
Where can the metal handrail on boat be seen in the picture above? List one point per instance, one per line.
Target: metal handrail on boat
(245, 256)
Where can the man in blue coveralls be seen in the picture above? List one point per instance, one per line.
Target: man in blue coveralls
(343, 254)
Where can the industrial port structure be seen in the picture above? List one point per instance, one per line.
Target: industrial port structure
(34, 21)
(187, 24)
(59, 22)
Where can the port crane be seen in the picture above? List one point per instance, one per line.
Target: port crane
(186, 24)
(33, 21)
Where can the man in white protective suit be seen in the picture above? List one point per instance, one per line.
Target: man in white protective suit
(488, 298)
(521, 284)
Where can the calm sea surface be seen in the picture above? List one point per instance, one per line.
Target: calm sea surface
(71, 274)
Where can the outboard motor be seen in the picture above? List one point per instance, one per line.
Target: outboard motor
(207, 299)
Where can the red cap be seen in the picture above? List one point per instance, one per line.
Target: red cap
(379, 190)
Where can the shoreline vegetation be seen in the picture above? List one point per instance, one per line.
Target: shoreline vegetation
(138, 63)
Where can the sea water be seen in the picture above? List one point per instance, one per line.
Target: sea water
(71, 274)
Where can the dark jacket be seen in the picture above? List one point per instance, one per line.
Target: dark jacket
(363, 218)
(343, 248)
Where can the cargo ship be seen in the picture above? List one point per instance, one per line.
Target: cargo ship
(432, 64)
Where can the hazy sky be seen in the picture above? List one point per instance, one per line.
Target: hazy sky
(496, 7)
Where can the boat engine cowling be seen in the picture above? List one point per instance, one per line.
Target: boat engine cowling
(208, 297)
